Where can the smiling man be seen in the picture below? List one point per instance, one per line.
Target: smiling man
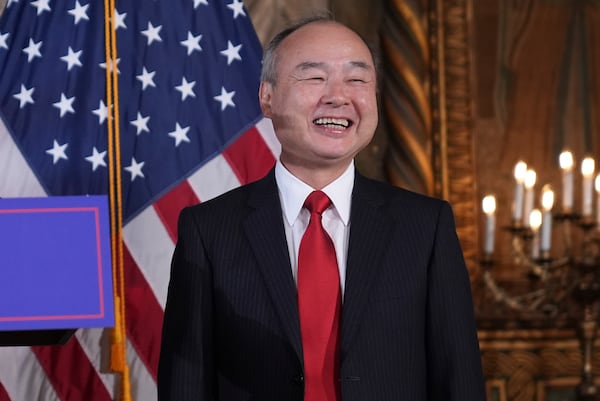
(316, 283)
(319, 88)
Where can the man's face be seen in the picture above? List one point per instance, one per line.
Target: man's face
(323, 105)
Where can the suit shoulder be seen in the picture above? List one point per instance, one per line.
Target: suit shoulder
(235, 200)
(400, 197)
(230, 198)
(411, 210)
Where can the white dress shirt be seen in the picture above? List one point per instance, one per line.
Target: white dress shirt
(336, 219)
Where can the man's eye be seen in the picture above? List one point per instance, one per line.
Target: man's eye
(315, 79)
(358, 80)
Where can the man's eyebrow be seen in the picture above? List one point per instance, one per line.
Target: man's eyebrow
(306, 65)
(361, 64)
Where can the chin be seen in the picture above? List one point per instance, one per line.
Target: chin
(335, 157)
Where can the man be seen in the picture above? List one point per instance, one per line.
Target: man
(244, 320)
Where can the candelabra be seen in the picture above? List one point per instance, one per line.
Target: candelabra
(567, 273)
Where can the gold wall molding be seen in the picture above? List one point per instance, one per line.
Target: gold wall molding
(453, 153)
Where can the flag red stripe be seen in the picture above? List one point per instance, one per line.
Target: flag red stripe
(70, 372)
(143, 316)
(3, 394)
(169, 206)
(249, 156)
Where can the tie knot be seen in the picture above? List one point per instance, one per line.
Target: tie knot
(317, 202)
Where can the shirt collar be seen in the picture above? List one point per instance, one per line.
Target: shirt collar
(293, 192)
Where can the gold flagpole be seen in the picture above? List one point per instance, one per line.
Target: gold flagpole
(118, 354)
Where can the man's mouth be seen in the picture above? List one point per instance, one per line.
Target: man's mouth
(335, 123)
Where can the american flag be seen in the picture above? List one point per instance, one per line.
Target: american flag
(190, 127)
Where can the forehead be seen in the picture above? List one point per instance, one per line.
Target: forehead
(320, 41)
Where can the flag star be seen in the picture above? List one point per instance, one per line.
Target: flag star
(103, 65)
(186, 88)
(10, 2)
(152, 33)
(41, 5)
(192, 43)
(72, 58)
(101, 112)
(232, 52)
(57, 152)
(24, 96)
(79, 12)
(120, 20)
(226, 98)
(96, 158)
(198, 2)
(146, 78)
(135, 169)
(65, 105)
(238, 8)
(33, 50)
(180, 134)
(3, 37)
(141, 123)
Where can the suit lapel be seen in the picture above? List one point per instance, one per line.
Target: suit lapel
(265, 231)
(369, 230)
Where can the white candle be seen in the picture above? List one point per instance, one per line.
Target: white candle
(489, 208)
(530, 178)
(587, 171)
(566, 164)
(547, 203)
(520, 170)
(535, 221)
(597, 184)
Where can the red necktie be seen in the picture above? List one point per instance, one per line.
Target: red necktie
(319, 303)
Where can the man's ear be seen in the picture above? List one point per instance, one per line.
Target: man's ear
(264, 96)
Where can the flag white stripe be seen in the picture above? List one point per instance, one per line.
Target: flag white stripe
(22, 376)
(151, 248)
(143, 386)
(93, 341)
(22, 184)
(213, 179)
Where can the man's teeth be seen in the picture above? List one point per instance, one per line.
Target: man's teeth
(333, 122)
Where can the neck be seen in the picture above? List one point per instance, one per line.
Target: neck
(317, 177)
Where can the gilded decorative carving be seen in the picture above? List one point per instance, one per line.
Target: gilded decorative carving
(532, 365)
(453, 150)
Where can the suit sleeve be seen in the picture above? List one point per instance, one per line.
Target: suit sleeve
(453, 356)
(186, 365)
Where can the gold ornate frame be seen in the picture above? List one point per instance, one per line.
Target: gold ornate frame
(453, 138)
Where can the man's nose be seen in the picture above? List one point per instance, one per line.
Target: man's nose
(335, 94)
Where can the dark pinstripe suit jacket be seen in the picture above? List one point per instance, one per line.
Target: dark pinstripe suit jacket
(231, 329)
